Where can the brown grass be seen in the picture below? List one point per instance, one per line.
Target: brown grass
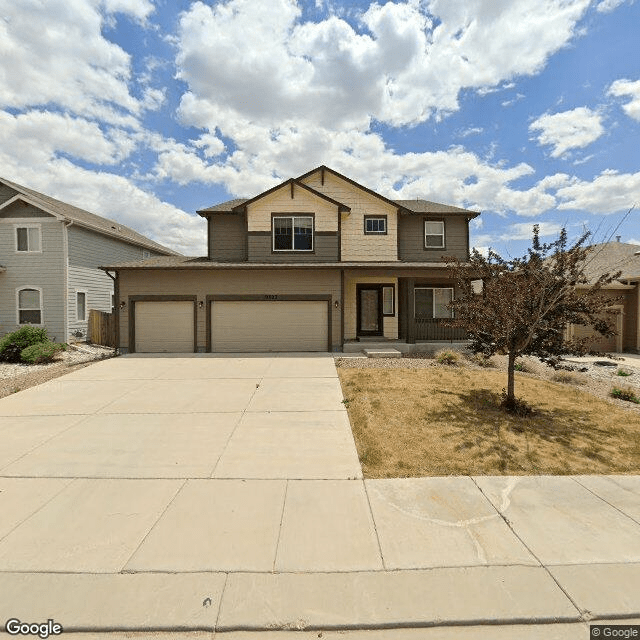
(442, 421)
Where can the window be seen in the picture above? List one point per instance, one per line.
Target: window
(29, 306)
(433, 234)
(375, 225)
(388, 295)
(81, 305)
(432, 303)
(28, 238)
(292, 233)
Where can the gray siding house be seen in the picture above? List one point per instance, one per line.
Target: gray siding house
(50, 252)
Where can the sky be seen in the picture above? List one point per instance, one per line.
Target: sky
(144, 112)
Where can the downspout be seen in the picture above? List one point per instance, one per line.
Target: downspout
(116, 308)
(65, 267)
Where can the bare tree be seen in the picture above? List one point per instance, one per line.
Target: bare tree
(526, 303)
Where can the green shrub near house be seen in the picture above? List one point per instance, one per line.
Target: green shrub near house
(41, 352)
(12, 345)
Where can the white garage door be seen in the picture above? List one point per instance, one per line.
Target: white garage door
(164, 327)
(282, 325)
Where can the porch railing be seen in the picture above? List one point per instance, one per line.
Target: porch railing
(435, 329)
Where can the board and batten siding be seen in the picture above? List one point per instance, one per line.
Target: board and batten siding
(43, 270)
(227, 242)
(411, 238)
(356, 245)
(202, 283)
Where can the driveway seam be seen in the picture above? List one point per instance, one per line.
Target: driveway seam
(605, 500)
(152, 527)
(284, 502)
(375, 526)
(581, 613)
(224, 588)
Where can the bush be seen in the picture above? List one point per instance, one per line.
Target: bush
(12, 344)
(566, 377)
(623, 373)
(521, 365)
(482, 360)
(41, 352)
(625, 393)
(447, 356)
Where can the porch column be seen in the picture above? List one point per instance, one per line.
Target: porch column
(411, 312)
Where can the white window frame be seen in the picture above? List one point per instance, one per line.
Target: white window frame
(375, 233)
(86, 302)
(425, 234)
(433, 309)
(293, 224)
(18, 309)
(27, 225)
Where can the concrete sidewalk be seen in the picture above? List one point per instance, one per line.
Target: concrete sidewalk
(248, 512)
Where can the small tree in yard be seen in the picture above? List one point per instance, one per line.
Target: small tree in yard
(527, 302)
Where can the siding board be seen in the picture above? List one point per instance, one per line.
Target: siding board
(325, 249)
(227, 237)
(411, 238)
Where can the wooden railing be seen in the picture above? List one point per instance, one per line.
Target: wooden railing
(101, 328)
(435, 329)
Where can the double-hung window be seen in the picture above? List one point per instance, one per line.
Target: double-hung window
(431, 302)
(434, 234)
(28, 238)
(292, 233)
(29, 306)
(375, 225)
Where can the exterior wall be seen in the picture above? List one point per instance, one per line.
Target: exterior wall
(411, 238)
(98, 286)
(6, 193)
(227, 237)
(325, 249)
(43, 270)
(202, 283)
(22, 210)
(355, 244)
(389, 323)
(631, 333)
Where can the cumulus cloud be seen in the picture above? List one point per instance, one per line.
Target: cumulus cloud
(606, 6)
(630, 89)
(524, 230)
(568, 130)
(609, 192)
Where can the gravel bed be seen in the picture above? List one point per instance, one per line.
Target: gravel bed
(17, 377)
(587, 376)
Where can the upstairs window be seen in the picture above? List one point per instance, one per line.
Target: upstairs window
(29, 306)
(433, 234)
(431, 302)
(375, 225)
(292, 233)
(28, 239)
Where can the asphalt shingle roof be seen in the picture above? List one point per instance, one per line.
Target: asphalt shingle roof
(610, 257)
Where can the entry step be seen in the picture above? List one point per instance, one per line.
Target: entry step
(382, 353)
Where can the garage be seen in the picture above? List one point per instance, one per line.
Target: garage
(165, 326)
(599, 343)
(269, 325)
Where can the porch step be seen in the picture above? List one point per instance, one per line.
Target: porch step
(382, 353)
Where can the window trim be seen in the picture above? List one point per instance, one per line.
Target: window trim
(292, 216)
(376, 233)
(27, 287)
(393, 300)
(433, 310)
(27, 225)
(86, 300)
(424, 233)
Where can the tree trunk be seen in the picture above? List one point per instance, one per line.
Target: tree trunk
(511, 396)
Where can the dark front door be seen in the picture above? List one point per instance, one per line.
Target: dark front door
(369, 310)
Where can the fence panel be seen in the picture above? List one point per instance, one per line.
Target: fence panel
(102, 328)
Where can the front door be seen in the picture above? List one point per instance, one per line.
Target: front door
(369, 309)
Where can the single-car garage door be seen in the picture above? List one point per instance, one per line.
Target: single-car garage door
(279, 325)
(164, 327)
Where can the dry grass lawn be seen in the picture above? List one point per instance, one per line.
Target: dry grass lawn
(445, 420)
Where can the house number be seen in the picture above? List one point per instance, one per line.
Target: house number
(271, 297)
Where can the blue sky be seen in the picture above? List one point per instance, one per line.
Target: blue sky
(527, 110)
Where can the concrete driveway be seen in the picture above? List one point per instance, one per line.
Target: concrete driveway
(203, 492)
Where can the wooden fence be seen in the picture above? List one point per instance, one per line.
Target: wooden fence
(102, 328)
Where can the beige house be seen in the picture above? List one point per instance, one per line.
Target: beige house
(316, 263)
(611, 257)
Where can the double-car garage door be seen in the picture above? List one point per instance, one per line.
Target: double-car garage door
(235, 326)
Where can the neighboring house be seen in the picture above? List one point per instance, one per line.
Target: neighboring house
(611, 257)
(313, 264)
(50, 252)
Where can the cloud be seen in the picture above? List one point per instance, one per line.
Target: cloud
(610, 192)
(524, 230)
(567, 130)
(628, 88)
(606, 6)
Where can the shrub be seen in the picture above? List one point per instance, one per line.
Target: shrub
(623, 373)
(21, 339)
(625, 393)
(521, 365)
(566, 377)
(447, 356)
(482, 360)
(41, 352)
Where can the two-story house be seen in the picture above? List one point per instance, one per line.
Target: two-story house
(313, 264)
(50, 253)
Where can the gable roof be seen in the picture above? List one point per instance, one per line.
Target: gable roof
(83, 218)
(609, 257)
